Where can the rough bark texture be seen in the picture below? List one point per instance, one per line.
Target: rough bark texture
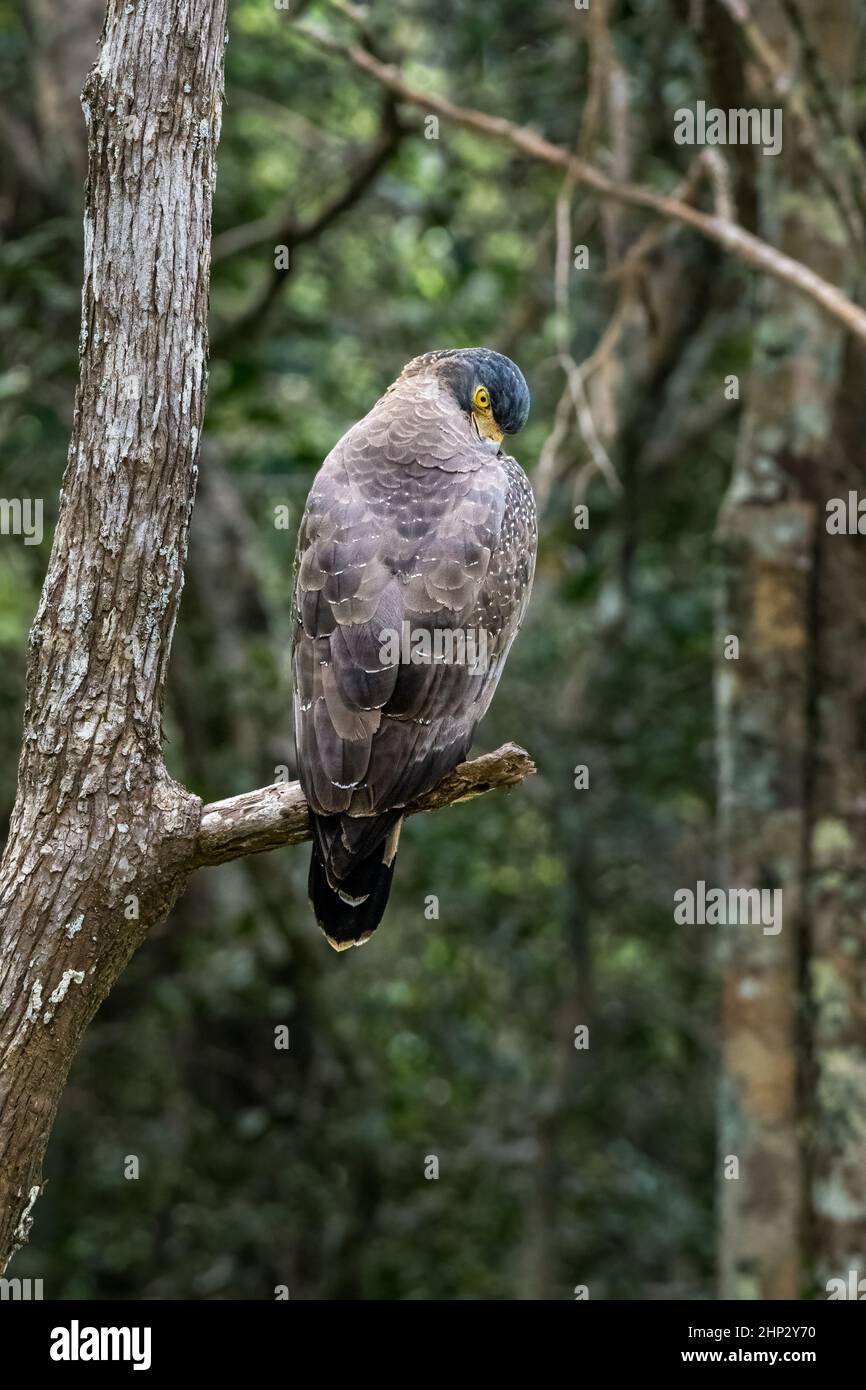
(84, 873)
(771, 534)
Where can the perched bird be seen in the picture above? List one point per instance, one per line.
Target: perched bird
(415, 560)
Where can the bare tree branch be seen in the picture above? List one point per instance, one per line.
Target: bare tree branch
(284, 231)
(733, 238)
(282, 227)
(277, 815)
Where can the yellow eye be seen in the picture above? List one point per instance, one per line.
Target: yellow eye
(482, 398)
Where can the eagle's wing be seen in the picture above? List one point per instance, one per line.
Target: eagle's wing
(404, 532)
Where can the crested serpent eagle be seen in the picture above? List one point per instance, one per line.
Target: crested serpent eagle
(415, 560)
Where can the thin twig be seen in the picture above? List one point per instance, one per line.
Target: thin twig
(600, 456)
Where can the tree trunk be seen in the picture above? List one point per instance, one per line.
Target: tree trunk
(837, 966)
(100, 834)
(770, 533)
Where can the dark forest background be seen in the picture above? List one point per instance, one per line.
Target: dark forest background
(455, 1037)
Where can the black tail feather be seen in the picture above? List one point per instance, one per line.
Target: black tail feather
(349, 893)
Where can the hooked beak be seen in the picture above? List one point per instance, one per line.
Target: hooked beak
(488, 431)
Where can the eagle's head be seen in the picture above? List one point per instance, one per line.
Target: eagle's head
(488, 387)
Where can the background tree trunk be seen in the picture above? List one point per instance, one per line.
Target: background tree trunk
(837, 854)
(776, 562)
(65, 39)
